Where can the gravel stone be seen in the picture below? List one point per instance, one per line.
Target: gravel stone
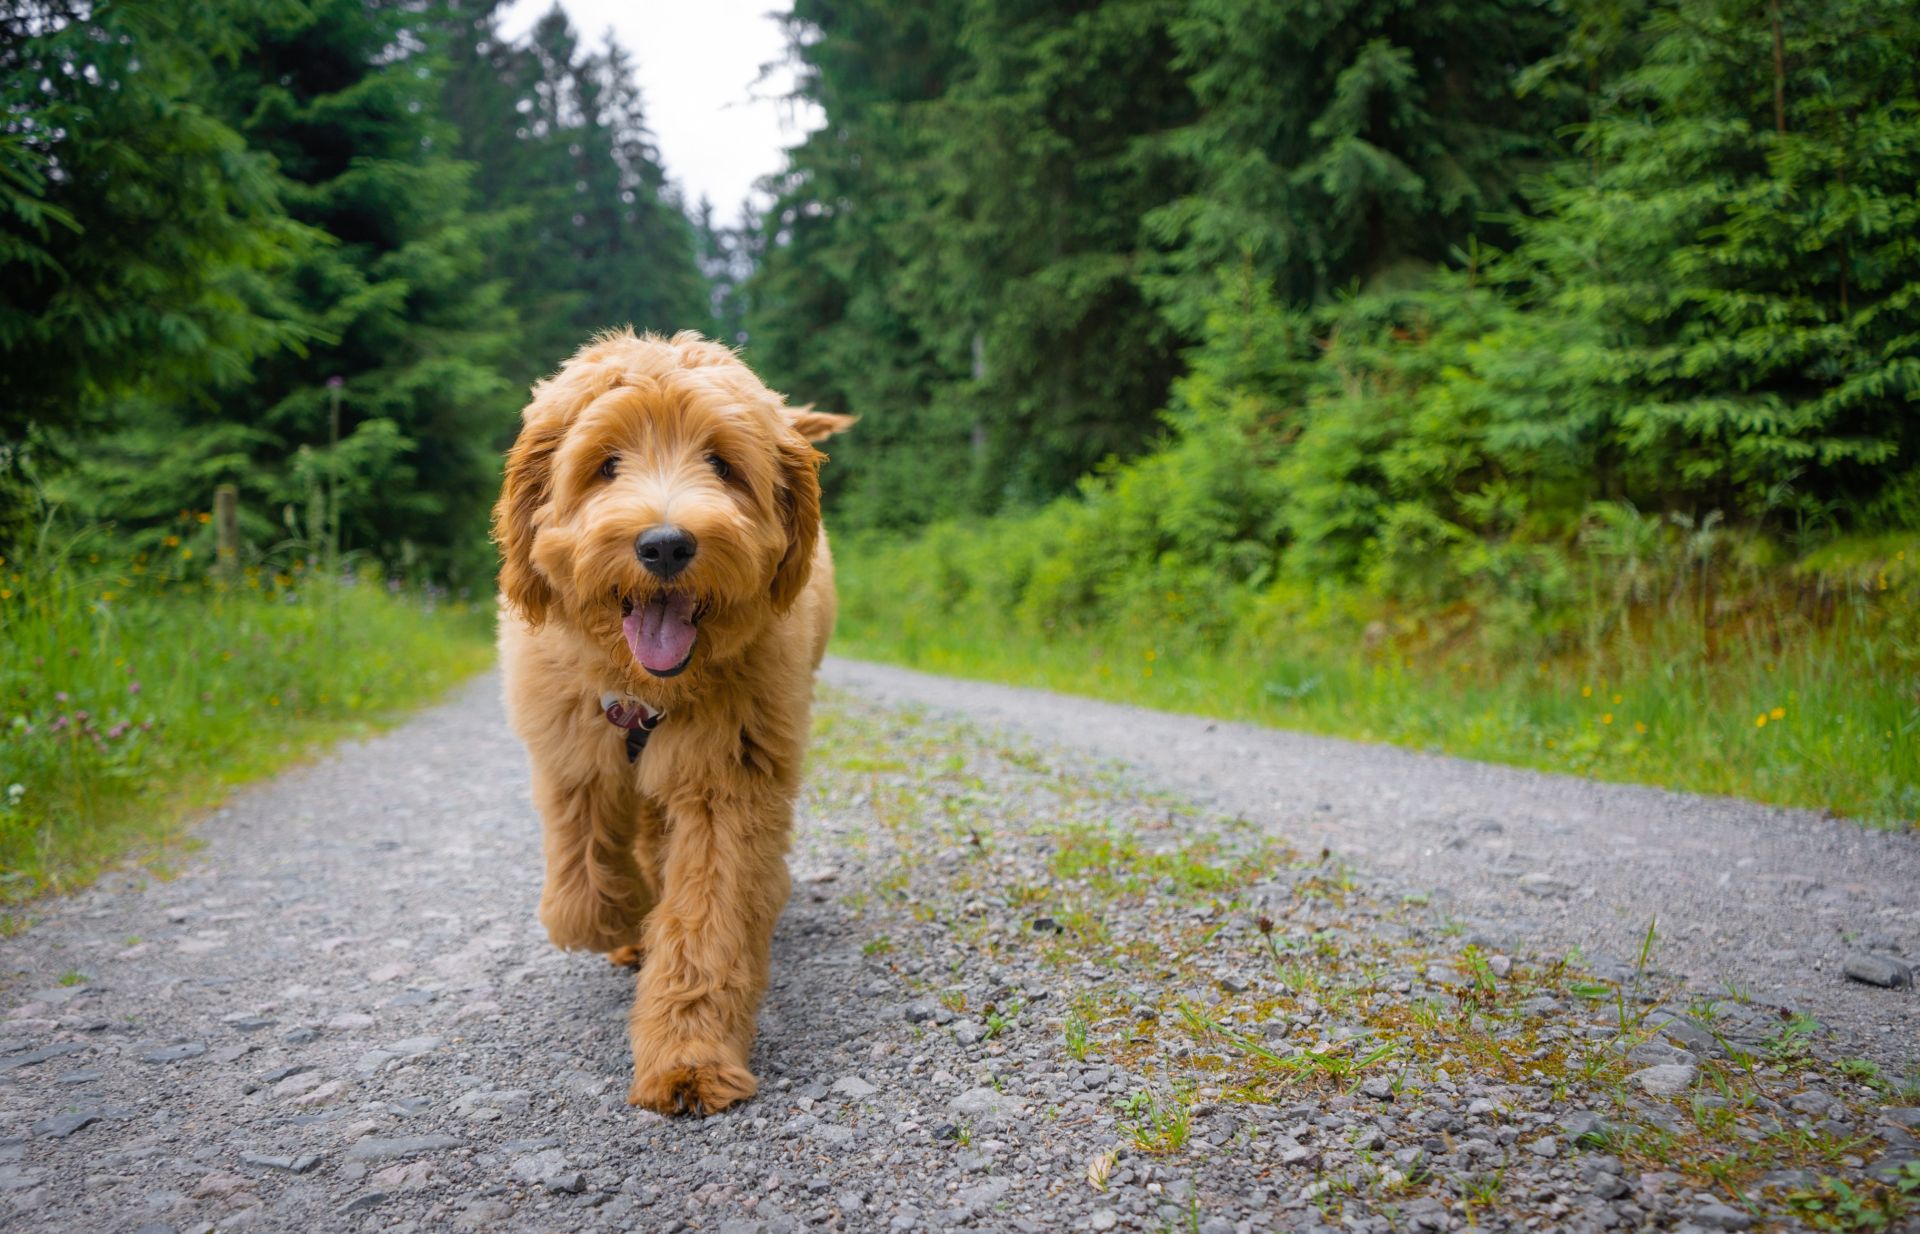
(1667, 1080)
(175, 1053)
(1878, 970)
(60, 1126)
(1721, 1217)
(375, 1148)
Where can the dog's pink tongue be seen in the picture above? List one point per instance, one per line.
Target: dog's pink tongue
(660, 632)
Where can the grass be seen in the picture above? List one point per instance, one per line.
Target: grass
(134, 692)
(1801, 693)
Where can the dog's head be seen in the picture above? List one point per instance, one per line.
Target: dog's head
(660, 498)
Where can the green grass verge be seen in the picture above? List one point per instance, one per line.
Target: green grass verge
(1825, 715)
(127, 702)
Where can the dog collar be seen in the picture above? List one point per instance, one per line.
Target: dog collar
(624, 711)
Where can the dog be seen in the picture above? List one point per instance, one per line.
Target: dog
(666, 596)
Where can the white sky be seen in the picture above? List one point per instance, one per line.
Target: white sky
(720, 127)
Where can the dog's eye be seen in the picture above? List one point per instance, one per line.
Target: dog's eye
(719, 465)
(610, 468)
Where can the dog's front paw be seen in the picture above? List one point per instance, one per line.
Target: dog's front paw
(628, 956)
(692, 1087)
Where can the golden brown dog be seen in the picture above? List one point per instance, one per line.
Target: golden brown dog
(663, 564)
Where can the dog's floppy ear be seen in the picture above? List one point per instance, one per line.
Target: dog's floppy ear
(528, 481)
(817, 425)
(800, 509)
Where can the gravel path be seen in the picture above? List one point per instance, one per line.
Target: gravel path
(1016, 989)
(1771, 900)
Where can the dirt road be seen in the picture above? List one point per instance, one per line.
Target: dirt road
(1016, 989)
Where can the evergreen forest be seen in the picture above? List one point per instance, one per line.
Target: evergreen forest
(1532, 379)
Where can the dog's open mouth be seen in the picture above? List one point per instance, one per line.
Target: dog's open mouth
(661, 630)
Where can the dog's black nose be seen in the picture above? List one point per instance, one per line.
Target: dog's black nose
(665, 551)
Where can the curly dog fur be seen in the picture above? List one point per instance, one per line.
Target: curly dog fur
(676, 860)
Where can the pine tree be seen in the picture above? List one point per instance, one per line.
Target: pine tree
(1343, 143)
(138, 234)
(1727, 277)
(599, 238)
(341, 95)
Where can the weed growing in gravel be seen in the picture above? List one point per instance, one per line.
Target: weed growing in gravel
(1831, 1204)
(1210, 967)
(1158, 1123)
(1075, 1032)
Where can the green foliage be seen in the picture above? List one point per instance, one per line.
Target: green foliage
(315, 249)
(137, 686)
(955, 256)
(1350, 143)
(134, 220)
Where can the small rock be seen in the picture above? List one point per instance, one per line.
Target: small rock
(34, 1058)
(292, 1165)
(481, 1214)
(1721, 1217)
(1545, 1146)
(969, 1032)
(322, 1094)
(572, 1182)
(980, 1103)
(175, 1053)
(1300, 1155)
(1878, 970)
(374, 1148)
(1103, 1219)
(853, 1087)
(1667, 1080)
(60, 1126)
(218, 1186)
(1380, 1088)
(534, 1167)
(1585, 1128)
(1545, 886)
(365, 1200)
(304, 1080)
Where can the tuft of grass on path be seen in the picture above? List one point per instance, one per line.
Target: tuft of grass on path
(129, 699)
(1821, 713)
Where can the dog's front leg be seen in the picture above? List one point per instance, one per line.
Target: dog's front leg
(595, 897)
(707, 943)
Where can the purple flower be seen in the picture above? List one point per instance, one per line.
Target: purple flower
(334, 383)
(133, 687)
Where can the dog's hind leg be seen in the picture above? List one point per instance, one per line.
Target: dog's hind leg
(596, 897)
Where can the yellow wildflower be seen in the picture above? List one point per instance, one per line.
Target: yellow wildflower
(1607, 718)
(1760, 721)
(1779, 713)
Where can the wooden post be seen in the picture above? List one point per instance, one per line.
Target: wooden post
(226, 529)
